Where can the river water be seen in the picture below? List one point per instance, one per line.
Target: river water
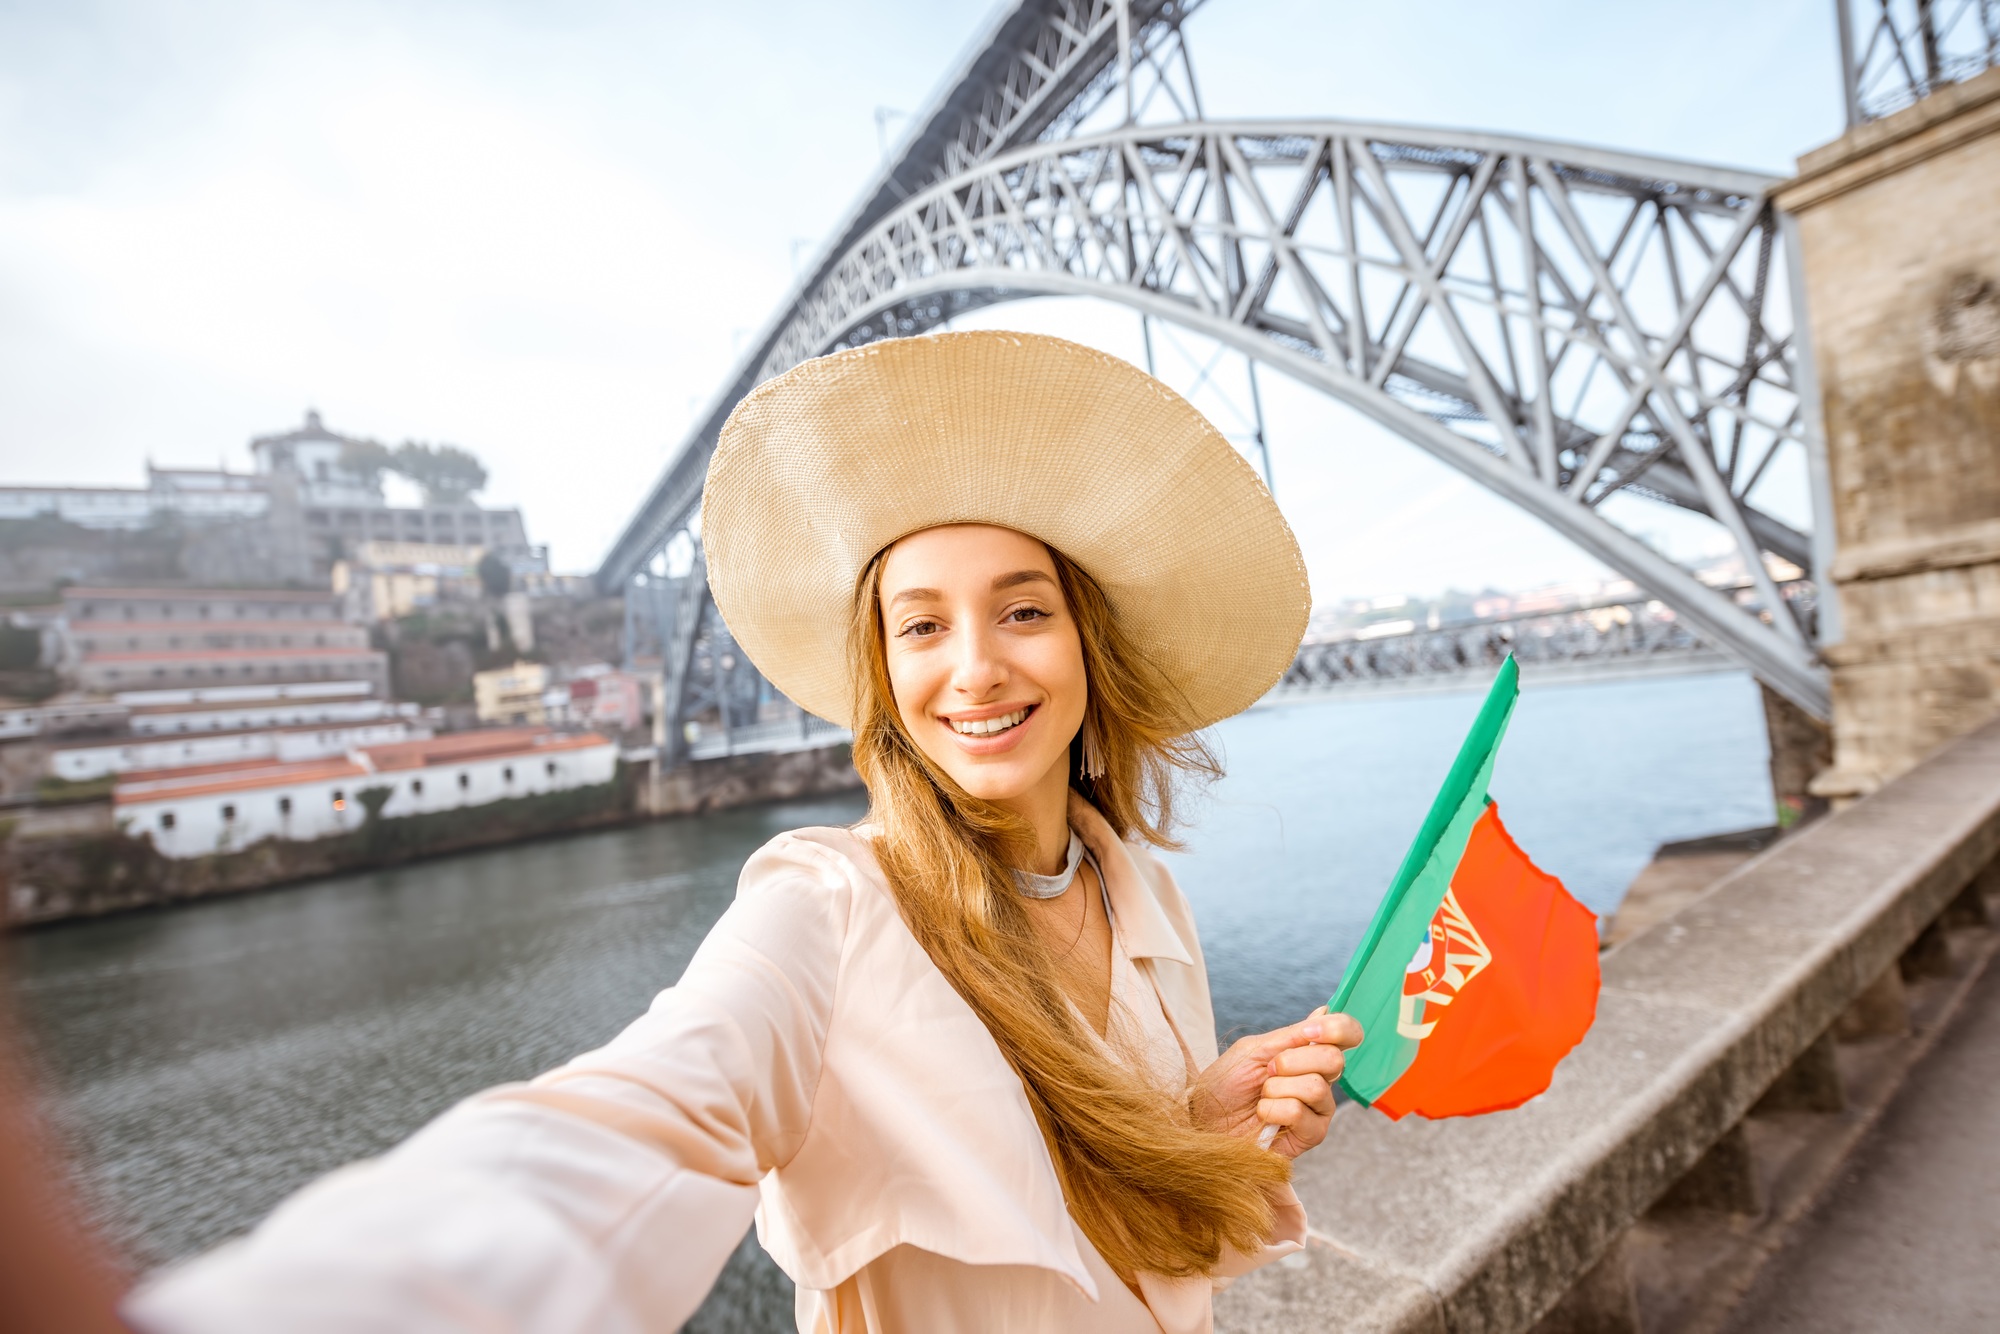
(207, 1059)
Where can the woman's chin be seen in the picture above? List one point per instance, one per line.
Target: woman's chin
(1001, 782)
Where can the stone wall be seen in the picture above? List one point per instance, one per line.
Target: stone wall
(743, 780)
(1899, 224)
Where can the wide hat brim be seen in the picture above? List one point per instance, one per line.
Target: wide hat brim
(822, 467)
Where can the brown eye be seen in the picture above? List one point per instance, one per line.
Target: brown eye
(919, 629)
(1022, 615)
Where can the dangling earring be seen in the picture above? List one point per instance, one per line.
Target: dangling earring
(1093, 753)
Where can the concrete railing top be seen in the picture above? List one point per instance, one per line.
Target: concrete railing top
(1484, 1224)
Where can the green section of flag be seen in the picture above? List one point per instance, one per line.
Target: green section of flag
(1371, 989)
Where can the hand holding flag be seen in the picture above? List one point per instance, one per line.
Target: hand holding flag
(1479, 971)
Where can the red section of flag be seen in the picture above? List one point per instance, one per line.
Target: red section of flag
(1495, 1044)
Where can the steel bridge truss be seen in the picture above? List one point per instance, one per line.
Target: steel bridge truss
(1895, 52)
(1563, 324)
(1631, 635)
(1571, 327)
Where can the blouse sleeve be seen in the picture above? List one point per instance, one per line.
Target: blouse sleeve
(603, 1197)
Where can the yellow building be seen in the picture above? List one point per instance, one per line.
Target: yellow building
(511, 694)
(384, 580)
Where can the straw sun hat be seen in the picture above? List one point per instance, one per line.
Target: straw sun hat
(825, 465)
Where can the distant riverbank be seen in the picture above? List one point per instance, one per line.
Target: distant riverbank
(76, 861)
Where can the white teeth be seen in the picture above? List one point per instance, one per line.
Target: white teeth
(988, 726)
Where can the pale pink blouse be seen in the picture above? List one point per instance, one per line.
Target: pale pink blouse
(813, 1068)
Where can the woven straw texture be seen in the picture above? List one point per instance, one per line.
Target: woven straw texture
(821, 467)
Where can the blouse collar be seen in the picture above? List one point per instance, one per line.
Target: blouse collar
(1142, 925)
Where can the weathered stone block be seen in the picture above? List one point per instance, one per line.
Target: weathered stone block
(1882, 1010)
(1725, 1179)
(1602, 1302)
(1929, 955)
(1969, 908)
(1810, 1084)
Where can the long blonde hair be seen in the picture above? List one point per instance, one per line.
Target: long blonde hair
(1151, 1190)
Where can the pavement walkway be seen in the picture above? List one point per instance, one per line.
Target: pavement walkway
(1910, 1238)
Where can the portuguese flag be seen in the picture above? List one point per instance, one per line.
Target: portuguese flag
(1479, 971)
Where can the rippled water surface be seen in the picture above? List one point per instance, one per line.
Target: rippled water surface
(207, 1059)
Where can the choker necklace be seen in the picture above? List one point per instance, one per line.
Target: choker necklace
(1052, 886)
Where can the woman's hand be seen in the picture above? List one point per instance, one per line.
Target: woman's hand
(1283, 1079)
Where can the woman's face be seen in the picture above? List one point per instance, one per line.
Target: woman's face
(983, 656)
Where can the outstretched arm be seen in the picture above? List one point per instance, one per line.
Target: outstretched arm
(603, 1197)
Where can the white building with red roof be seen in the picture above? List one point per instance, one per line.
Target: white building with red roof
(207, 809)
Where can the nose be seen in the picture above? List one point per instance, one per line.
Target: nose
(978, 670)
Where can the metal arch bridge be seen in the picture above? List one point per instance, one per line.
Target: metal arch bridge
(1569, 326)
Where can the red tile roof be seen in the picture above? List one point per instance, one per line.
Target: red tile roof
(460, 747)
(191, 625)
(390, 757)
(250, 777)
(209, 594)
(207, 654)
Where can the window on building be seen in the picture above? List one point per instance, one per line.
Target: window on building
(551, 767)
(339, 800)
(507, 774)
(417, 786)
(465, 780)
(228, 811)
(166, 819)
(284, 805)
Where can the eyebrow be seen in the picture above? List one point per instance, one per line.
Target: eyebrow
(1005, 581)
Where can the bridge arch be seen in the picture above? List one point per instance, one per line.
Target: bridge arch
(1560, 323)
(1564, 324)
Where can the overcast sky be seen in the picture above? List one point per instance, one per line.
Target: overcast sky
(542, 231)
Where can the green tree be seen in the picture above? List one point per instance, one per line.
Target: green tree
(20, 649)
(372, 800)
(495, 576)
(368, 458)
(446, 473)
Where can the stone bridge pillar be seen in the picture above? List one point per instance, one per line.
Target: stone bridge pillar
(1899, 225)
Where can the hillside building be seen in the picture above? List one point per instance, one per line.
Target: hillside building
(382, 581)
(123, 639)
(515, 694)
(344, 508)
(302, 508)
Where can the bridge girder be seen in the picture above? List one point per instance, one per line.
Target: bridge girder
(1041, 68)
(1563, 324)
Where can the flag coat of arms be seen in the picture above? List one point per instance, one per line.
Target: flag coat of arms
(1478, 973)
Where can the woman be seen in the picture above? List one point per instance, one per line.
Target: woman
(958, 1060)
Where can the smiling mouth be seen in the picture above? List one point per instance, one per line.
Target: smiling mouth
(1006, 722)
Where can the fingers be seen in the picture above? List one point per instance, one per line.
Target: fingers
(1291, 1127)
(1311, 1091)
(1318, 1059)
(1337, 1030)
(1319, 1028)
